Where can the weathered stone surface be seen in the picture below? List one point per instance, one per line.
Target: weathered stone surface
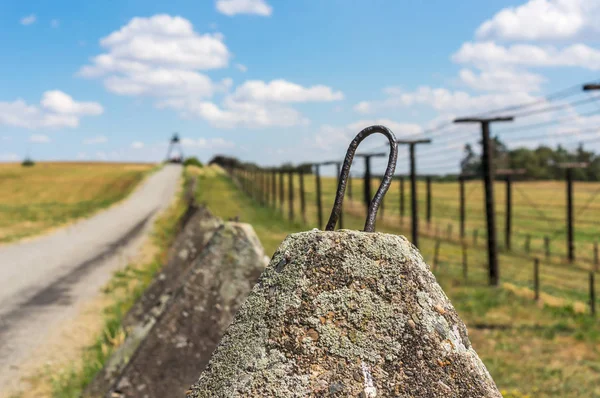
(179, 345)
(196, 229)
(199, 228)
(347, 314)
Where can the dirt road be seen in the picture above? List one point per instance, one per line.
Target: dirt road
(44, 281)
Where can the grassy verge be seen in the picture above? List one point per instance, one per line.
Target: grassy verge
(123, 290)
(36, 199)
(531, 349)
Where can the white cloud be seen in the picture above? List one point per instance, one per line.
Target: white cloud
(283, 91)
(100, 155)
(82, 156)
(489, 54)
(59, 102)
(504, 79)
(99, 139)
(255, 104)
(443, 100)
(399, 129)
(137, 145)
(160, 82)
(241, 68)
(158, 56)
(542, 20)
(9, 157)
(28, 20)
(233, 7)
(363, 107)
(211, 143)
(330, 137)
(39, 138)
(56, 109)
(55, 23)
(235, 114)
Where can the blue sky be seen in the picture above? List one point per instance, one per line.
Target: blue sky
(273, 81)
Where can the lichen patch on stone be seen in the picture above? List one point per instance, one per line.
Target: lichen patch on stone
(346, 313)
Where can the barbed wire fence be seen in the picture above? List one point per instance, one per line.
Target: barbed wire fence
(458, 215)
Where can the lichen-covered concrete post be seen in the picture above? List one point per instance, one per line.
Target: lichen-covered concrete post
(347, 314)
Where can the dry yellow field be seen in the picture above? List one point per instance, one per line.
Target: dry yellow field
(36, 199)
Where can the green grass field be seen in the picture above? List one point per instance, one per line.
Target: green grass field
(548, 348)
(36, 199)
(561, 282)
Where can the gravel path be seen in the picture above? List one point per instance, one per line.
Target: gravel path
(45, 281)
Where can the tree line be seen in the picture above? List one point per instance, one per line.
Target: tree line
(233, 162)
(541, 163)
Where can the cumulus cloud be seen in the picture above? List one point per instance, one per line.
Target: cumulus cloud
(234, 7)
(235, 114)
(443, 100)
(137, 145)
(283, 91)
(241, 68)
(330, 136)
(158, 56)
(28, 20)
(501, 80)
(59, 102)
(542, 20)
(56, 109)
(255, 104)
(162, 57)
(489, 54)
(99, 139)
(210, 143)
(39, 138)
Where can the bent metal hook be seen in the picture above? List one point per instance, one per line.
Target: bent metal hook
(385, 183)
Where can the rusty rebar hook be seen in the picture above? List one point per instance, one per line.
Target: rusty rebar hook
(385, 183)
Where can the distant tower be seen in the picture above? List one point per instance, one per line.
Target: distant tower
(175, 142)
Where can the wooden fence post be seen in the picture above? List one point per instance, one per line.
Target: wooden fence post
(274, 188)
(436, 254)
(428, 197)
(508, 215)
(536, 278)
(461, 186)
(319, 201)
(547, 246)
(382, 204)
(281, 193)
(596, 260)
(401, 200)
(475, 233)
(302, 196)
(464, 261)
(350, 186)
(592, 294)
(291, 195)
(263, 188)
